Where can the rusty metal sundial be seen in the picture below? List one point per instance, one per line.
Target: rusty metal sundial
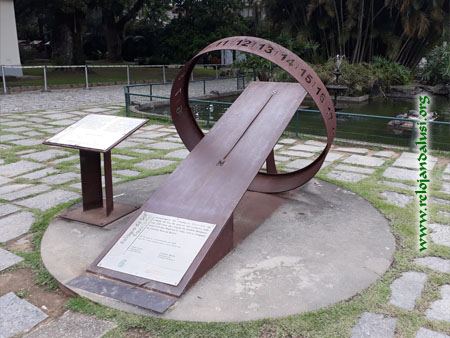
(187, 225)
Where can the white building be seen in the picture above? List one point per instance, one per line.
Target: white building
(9, 47)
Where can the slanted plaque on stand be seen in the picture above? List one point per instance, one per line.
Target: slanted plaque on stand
(93, 135)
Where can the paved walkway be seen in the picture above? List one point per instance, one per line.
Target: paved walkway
(36, 178)
(62, 99)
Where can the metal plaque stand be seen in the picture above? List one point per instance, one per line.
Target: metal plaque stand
(84, 136)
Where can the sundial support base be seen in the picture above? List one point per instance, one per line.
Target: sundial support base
(95, 210)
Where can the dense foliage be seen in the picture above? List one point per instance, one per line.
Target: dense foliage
(437, 67)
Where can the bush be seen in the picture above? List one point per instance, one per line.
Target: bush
(437, 67)
(391, 73)
(27, 53)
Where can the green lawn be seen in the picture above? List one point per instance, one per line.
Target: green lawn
(35, 77)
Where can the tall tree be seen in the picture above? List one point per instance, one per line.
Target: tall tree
(117, 14)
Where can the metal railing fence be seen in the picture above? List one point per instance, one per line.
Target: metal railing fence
(86, 68)
(357, 128)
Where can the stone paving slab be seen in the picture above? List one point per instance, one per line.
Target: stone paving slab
(287, 141)
(299, 164)
(7, 209)
(305, 147)
(445, 187)
(401, 174)
(278, 146)
(398, 185)
(400, 200)
(17, 315)
(62, 123)
(331, 157)
(296, 153)
(346, 176)
(374, 325)
(73, 324)
(67, 159)
(407, 288)
(316, 143)
(17, 129)
(4, 180)
(60, 116)
(434, 263)
(18, 168)
(95, 110)
(368, 161)
(60, 178)
(355, 169)
(127, 144)
(123, 157)
(40, 173)
(143, 151)
(154, 164)
(8, 259)
(440, 200)
(127, 172)
(33, 133)
(440, 309)
(27, 142)
(280, 158)
(447, 169)
(12, 187)
(440, 234)
(446, 177)
(33, 189)
(152, 134)
(15, 225)
(49, 200)
(425, 333)
(384, 153)
(180, 154)
(165, 145)
(352, 150)
(143, 140)
(409, 160)
(46, 155)
(444, 213)
(10, 137)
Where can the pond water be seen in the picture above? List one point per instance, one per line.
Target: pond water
(360, 128)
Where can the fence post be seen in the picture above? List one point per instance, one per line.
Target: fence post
(126, 90)
(45, 79)
(296, 123)
(217, 73)
(151, 92)
(5, 90)
(204, 87)
(413, 137)
(192, 74)
(128, 74)
(86, 76)
(164, 74)
(209, 115)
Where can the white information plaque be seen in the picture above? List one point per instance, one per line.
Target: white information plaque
(97, 132)
(158, 247)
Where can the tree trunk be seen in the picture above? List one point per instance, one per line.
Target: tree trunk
(113, 36)
(67, 44)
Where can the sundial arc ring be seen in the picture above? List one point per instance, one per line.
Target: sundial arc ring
(191, 133)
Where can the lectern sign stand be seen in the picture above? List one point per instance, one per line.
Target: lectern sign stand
(92, 135)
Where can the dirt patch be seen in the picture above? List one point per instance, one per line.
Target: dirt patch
(22, 283)
(23, 243)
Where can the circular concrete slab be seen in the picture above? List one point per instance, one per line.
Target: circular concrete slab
(321, 245)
